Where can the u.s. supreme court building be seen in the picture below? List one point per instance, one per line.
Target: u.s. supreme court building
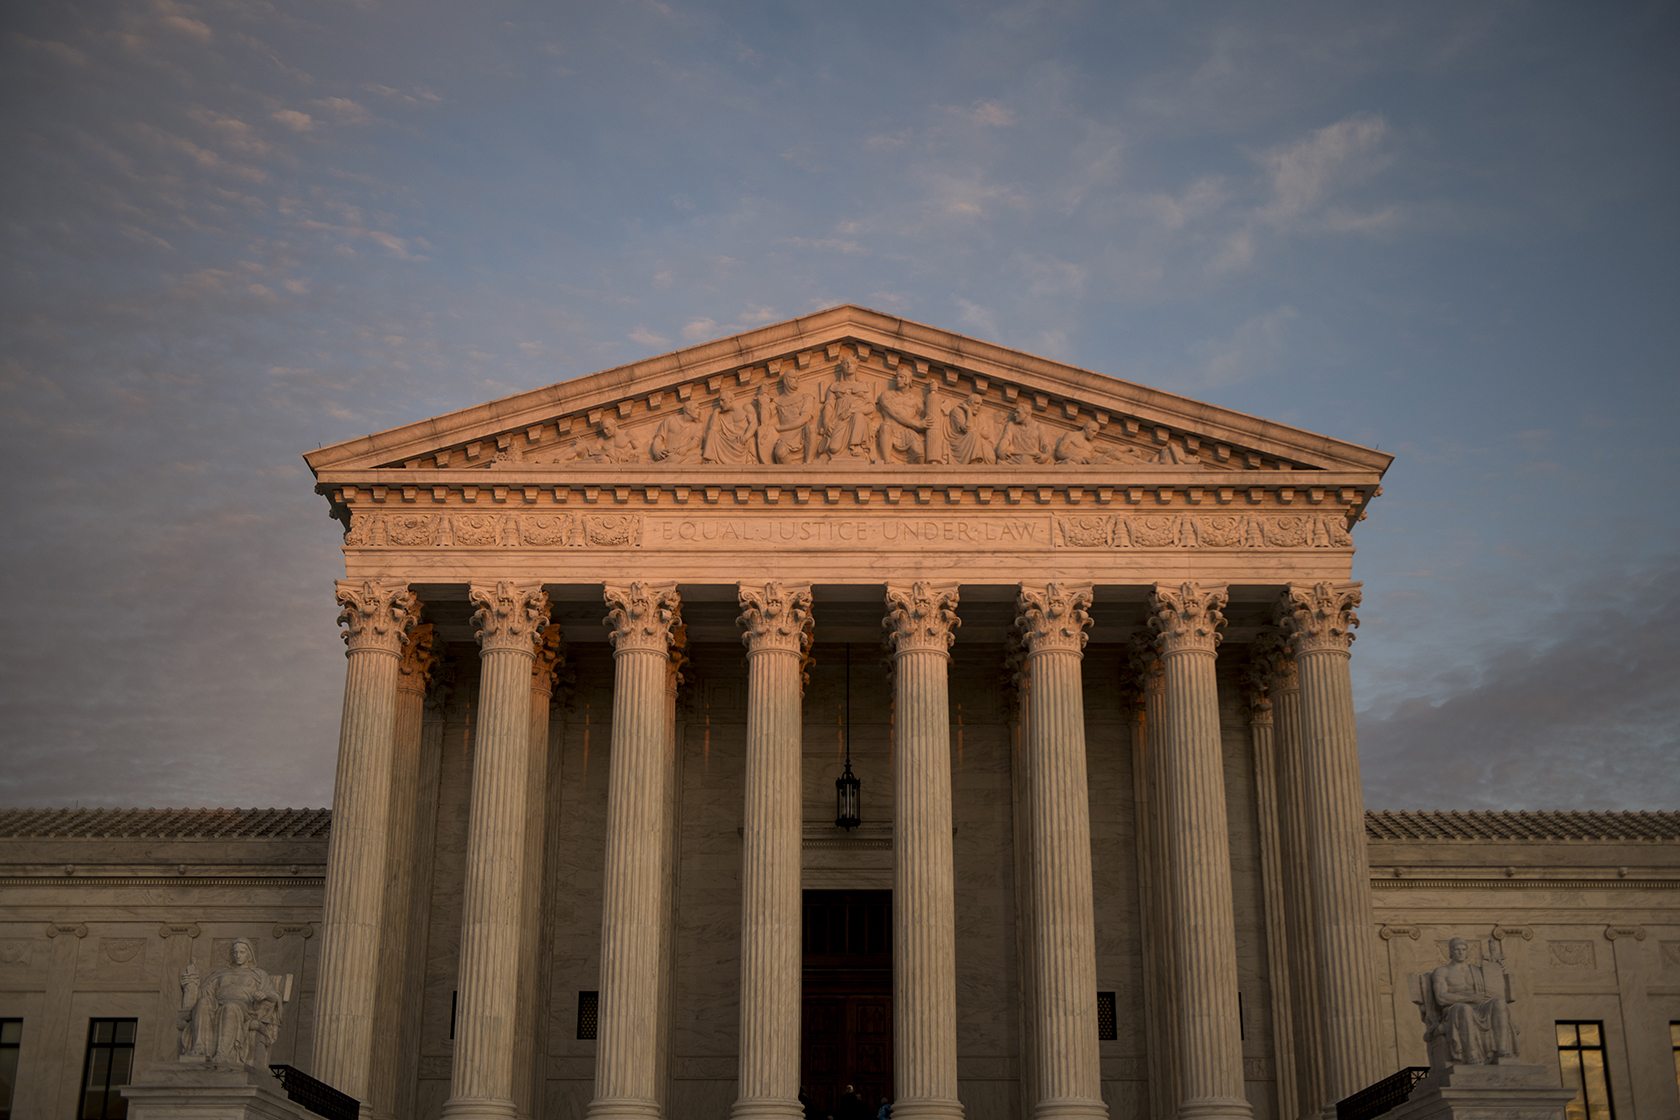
(846, 702)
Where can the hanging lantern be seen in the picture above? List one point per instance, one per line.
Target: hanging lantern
(848, 791)
(848, 800)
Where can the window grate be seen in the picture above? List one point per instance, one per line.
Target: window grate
(589, 1014)
(1581, 1056)
(109, 1064)
(1108, 1022)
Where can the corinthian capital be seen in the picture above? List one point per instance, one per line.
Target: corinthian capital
(550, 648)
(1318, 616)
(775, 616)
(419, 659)
(1187, 616)
(1055, 618)
(642, 616)
(921, 618)
(510, 616)
(376, 616)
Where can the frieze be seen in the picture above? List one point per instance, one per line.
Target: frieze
(875, 528)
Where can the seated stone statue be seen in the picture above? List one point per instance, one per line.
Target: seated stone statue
(232, 1016)
(1465, 1014)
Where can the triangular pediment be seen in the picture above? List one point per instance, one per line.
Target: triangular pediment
(846, 387)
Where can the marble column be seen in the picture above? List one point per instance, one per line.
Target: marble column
(1319, 621)
(377, 616)
(533, 1000)
(433, 719)
(414, 672)
(920, 625)
(1295, 830)
(642, 617)
(1017, 685)
(1186, 617)
(1256, 681)
(1160, 1010)
(670, 866)
(510, 620)
(777, 621)
(1052, 621)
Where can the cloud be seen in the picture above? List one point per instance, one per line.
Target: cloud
(1585, 715)
(1303, 174)
(1256, 346)
(698, 330)
(342, 110)
(991, 115)
(647, 338)
(294, 120)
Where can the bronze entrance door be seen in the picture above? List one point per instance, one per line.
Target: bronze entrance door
(847, 1018)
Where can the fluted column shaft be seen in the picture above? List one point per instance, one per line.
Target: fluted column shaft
(920, 625)
(641, 617)
(377, 617)
(1319, 621)
(1052, 623)
(510, 618)
(413, 675)
(777, 622)
(532, 1002)
(1187, 617)
(1153, 875)
(1257, 677)
(1295, 833)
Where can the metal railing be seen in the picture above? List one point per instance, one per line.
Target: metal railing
(1374, 1100)
(317, 1096)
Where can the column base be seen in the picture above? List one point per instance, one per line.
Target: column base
(171, 1090)
(1517, 1091)
(478, 1108)
(1215, 1108)
(1070, 1108)
(931, 1108)
(767, 1108)
(622, 1108)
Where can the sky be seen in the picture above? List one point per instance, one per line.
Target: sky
(236, 230)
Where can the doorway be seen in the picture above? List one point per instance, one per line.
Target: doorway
(847, 1014)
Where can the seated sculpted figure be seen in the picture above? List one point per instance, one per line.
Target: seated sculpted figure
(232, 1016)
(1464, 1008)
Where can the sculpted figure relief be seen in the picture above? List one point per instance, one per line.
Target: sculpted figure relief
(1080, 446)
(973, 438)
(796, 422)
(1022, 441)
(232, 1016)
(1465, 1013)
(730, 437)
(680, 437)
(903, 421)
(611, 444)
(847, 423)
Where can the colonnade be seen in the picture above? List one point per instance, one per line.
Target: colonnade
(1184, 843)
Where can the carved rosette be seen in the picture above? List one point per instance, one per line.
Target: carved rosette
(376, 616)
(775, 616)
(1188, 617)
(1053, 620)
(642, 617)
(550, 659)
(920, 618)
(419, 659)
(1319, 616)
(510, 616)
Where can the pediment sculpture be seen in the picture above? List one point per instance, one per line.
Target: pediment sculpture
(853, 418)
(1465, 1007)
(232, 1016)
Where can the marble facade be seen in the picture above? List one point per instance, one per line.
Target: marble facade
(603, 639)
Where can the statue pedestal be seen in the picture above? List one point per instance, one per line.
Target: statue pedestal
(1508, 1092)
(196, 1091)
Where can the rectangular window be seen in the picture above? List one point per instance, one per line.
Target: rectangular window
(589, 1012)
(11, 1037)
(1673, 1037)
(110, 1062)
(1581, 1054)
(1108, 1023)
